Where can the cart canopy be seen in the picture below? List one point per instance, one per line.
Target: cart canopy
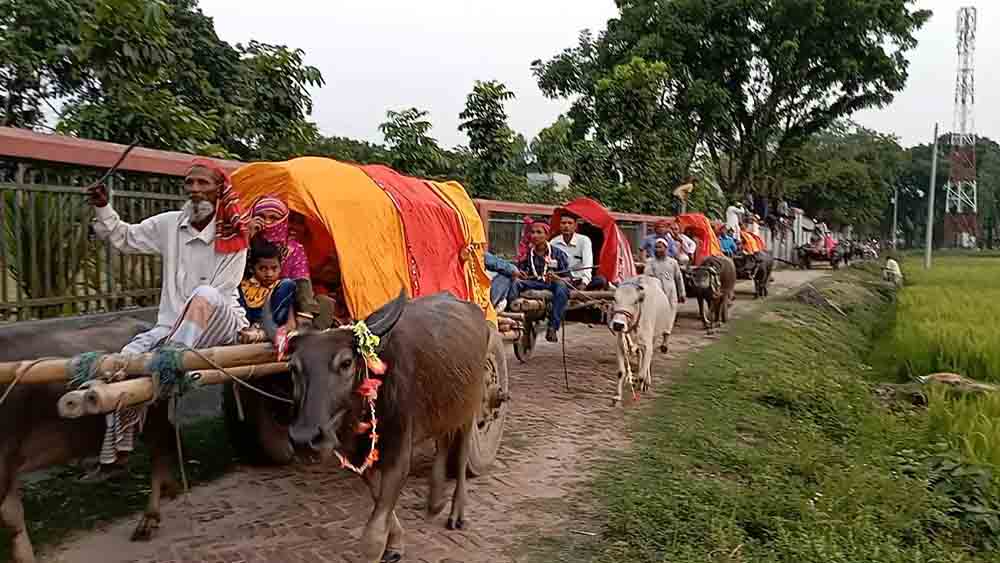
(388, 231)
(708, 242)
(615, 260)
(751, 243)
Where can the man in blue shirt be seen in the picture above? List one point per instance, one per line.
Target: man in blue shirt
(660, 230)
(547, 268)
(728, 243)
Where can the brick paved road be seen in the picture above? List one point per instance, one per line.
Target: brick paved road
(314, 514)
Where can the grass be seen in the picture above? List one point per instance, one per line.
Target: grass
(947, 320)
(60, 503)
(772, 447)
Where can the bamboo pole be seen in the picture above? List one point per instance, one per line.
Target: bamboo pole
(100, 398)
(55, 370)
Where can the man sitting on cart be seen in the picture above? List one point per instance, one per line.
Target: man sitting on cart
(580, 251)
(203, 248)
(661, 229)
(686, 246)
(728, 243)
(545, 267)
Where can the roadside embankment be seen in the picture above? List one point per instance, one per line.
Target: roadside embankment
(773, 446)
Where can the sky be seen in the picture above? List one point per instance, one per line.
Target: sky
(393, 54)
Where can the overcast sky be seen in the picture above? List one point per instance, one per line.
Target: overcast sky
(393, 54)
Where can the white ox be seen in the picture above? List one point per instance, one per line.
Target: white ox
(642, 313)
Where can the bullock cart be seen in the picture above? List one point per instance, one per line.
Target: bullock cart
(380, 232)
(613, 261)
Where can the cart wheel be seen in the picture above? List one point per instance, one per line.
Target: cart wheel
(262, 436)
(524, 347)
(487, 429)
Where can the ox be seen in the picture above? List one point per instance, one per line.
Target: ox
(642, 312)
(436, 350)
(34, 436)
(714, 284)
(759, 266)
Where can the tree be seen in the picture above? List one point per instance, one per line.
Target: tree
(413, 150)
(491, 141)
(845, 175)
(552, 149)
(349, 150)
(633, 107)
(754, 80)
(153, 71)
(273, 102)
(36, 57)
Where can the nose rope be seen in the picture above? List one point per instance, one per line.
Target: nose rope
(633, 320)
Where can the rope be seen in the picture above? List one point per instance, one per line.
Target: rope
(82, 369)
(17, 378)
(167, 369)
(235, 379)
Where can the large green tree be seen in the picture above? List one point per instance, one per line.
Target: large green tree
(414, 151)
(37, 38)
(845, 175)
(496, 154)
(752, 80)
(153, 71)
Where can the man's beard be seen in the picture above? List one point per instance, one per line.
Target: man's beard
(202, 211)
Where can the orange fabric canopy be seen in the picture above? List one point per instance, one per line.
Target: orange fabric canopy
(708, 242)
(389, 232)
(751, 242)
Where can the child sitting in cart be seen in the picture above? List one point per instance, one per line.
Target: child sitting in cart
(265, 285)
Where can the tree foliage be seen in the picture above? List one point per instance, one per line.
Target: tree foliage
(845, 175)
(753, 80)
(152, 71)
(493, 147)
(413, 150)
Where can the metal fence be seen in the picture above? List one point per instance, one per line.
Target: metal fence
(51, 265)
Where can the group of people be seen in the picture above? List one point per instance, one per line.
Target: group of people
(558, 264)
(221, 266)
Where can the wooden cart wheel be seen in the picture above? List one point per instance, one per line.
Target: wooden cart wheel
(487, 429)
(262, 436)
(524, 347)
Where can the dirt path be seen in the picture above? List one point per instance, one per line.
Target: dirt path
(314, 514)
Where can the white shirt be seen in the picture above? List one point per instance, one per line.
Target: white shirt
(754, 228)
(733, 215)
(688, 245)
(189, 257)
(580, 253)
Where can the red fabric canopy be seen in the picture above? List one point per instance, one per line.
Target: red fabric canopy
(615, 258)
(434, 237)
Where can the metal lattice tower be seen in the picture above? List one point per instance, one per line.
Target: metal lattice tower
(961, 199)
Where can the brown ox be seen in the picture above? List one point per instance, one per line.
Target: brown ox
(715, 284)
(436, 349)
(34, 436)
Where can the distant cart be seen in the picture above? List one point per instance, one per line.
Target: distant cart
(613, 260)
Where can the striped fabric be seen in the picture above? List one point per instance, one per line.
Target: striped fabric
(208, 320)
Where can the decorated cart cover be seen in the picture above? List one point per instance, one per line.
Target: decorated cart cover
(751, 243)
(388, 231)
(616, 262)
(708, 242)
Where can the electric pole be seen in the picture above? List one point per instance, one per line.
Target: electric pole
(930, 202)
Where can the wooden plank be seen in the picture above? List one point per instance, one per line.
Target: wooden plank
(30, 372)
(103, 398)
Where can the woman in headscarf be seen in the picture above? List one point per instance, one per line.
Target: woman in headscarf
(269, 222)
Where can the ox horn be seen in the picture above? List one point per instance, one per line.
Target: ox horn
(381, 322)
